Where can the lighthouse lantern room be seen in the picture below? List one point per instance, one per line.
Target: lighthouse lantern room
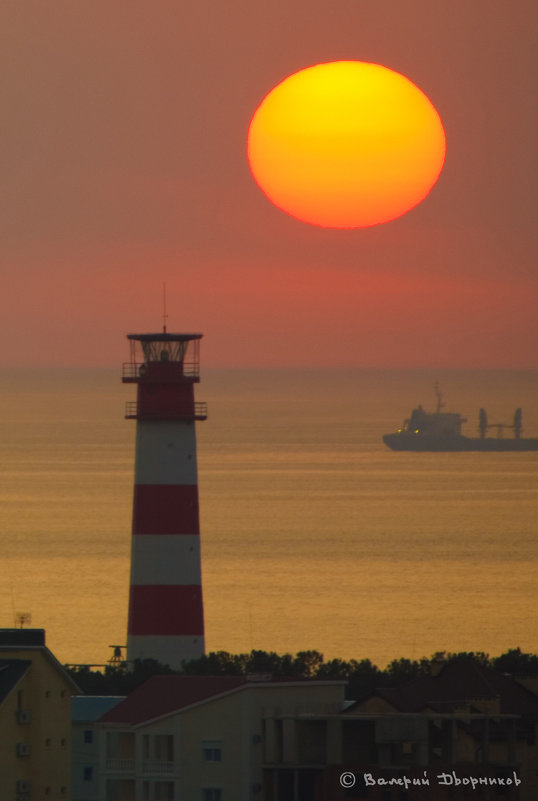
(165, 600)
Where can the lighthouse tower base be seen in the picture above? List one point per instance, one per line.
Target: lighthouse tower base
(171, 651)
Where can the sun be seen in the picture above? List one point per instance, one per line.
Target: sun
(347, 144)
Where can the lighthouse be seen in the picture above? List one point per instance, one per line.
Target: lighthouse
(166, 620)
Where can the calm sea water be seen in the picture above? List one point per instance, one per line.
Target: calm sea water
(314, 534)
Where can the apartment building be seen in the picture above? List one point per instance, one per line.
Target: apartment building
(35, 719)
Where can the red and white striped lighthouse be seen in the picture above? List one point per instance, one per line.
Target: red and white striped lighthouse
(166, 620)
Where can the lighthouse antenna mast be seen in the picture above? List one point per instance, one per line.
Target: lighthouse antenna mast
(165, 316)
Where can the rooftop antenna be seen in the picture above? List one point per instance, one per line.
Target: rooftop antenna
(164, 308)
(22, 617)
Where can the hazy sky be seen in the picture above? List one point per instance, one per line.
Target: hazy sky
(123, 142)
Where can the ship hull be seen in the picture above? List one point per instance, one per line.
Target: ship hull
(422, 442)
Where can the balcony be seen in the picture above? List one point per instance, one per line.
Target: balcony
(157, 767)
(195, 411)
(133, 372)
(120, 765)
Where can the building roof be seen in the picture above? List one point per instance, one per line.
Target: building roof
(460, 683)
(161, 695)
(88, 708)
(11, 671)
(22, 637)
(28, 641)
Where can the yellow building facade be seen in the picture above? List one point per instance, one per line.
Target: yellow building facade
(35, 719)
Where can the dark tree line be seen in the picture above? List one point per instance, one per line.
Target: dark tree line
(362, 675)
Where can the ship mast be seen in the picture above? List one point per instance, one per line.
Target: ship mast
(439, 397)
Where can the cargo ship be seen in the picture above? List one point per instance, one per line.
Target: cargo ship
(441, 431)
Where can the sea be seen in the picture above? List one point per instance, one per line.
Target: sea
(314, 534)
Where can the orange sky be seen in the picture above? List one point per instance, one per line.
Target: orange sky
(125, 165)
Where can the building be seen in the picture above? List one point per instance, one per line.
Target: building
(166, 621)
(35, 718)
(85, 710)
(204, 738)
(465, 715)
(200, 738)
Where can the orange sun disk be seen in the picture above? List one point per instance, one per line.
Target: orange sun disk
(346, 144)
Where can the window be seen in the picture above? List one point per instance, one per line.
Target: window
(212, 750)
(212, 794)
(119, 789)
(164, 791)
(163, 745)
(157, 791)
(145, 746)
(88, 736)
(88, 774)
